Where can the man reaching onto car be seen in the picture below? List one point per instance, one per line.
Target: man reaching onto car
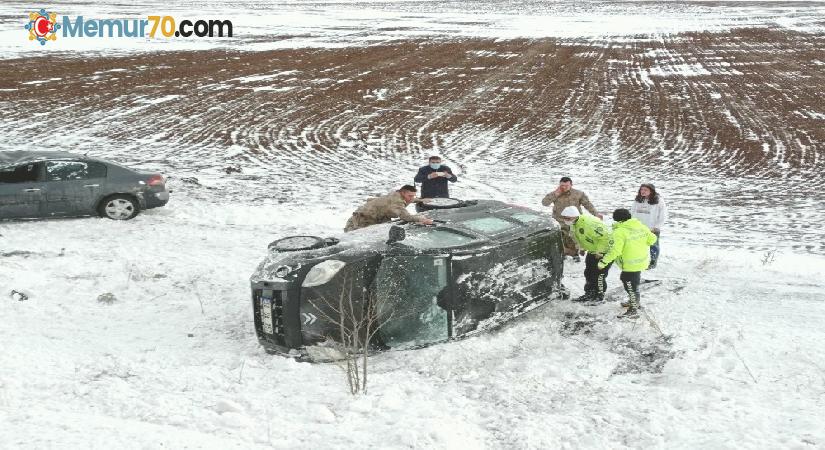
(384, 209)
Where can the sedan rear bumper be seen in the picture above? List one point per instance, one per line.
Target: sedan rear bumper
(156, 199)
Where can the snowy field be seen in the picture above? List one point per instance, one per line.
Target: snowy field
(718, 103)
(331, 23)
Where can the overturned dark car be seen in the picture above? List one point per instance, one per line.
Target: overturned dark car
(481, 264)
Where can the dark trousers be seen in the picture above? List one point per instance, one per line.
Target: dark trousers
(595, 279)
(630, 282)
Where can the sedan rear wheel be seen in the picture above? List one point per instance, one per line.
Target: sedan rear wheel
(119, 208)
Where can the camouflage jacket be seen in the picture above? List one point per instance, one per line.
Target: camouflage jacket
(383, 209)
(573, 197)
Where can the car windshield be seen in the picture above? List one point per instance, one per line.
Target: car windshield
(436, 238)
(407, 291)
(489, 225)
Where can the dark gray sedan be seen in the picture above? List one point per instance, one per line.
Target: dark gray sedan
(59, 184)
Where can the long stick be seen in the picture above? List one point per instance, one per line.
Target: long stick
(653, 323)
(743, 363)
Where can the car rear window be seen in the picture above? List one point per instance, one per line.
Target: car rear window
(437, 238)
(489, 225)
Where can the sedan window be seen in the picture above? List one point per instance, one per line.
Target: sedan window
(74, 170)
(20, 174)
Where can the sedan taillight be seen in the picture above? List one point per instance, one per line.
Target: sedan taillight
(155, 180)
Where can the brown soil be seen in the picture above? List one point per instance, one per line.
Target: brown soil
(756, 108)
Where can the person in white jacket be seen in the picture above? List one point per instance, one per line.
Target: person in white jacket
(649, 207)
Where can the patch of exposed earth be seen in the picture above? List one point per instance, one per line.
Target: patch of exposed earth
(728, 124)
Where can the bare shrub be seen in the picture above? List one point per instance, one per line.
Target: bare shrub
(768, 257)
(356, 319)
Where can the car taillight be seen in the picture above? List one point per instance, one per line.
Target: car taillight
(155, 180)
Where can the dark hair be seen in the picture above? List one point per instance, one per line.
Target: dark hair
(652, 199)
(621, 214)
(566, 180)
(407, 188)
(434, 157)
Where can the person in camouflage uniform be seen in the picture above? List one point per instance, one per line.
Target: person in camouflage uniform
(384, 209)
(561, 198)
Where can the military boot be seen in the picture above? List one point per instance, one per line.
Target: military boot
(631, 313)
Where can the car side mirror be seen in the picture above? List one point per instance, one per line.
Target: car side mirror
(396, 234)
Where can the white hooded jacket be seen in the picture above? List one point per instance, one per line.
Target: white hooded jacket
(654, 216)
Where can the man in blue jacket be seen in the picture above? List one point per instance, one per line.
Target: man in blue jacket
(434, 178)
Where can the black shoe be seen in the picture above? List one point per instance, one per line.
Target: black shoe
(652, 265)
(587, 297)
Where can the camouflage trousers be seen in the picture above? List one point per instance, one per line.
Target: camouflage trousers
(569, 243)
(357, 221)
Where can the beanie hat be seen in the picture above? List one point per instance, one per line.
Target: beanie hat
(620, 215)
(570, 211)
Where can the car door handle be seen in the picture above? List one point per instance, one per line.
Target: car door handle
(31, 190)
(91, 185)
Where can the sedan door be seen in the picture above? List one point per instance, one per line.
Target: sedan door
(21, 191)
(73, 187)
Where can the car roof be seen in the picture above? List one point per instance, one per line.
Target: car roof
(19, 157)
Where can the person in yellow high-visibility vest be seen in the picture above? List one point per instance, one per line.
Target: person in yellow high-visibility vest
(630, 250)
(593, 236)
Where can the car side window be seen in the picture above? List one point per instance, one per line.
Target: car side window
(73, 170)
(97, 170)
(20, 174)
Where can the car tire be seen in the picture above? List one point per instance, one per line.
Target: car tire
(445, 203)
(297, 243)
(119, 207)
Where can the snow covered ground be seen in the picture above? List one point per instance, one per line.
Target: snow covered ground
(173, 360)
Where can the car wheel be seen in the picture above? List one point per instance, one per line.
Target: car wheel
(444, 203)
(119, 207)
(296, 243)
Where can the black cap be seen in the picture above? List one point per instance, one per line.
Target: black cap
(621, 214)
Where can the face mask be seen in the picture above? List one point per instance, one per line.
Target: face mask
(435, 166)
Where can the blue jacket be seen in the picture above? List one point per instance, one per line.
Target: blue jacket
(436, 187)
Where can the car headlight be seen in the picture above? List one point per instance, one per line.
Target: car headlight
(322, 272)
(282, 271)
